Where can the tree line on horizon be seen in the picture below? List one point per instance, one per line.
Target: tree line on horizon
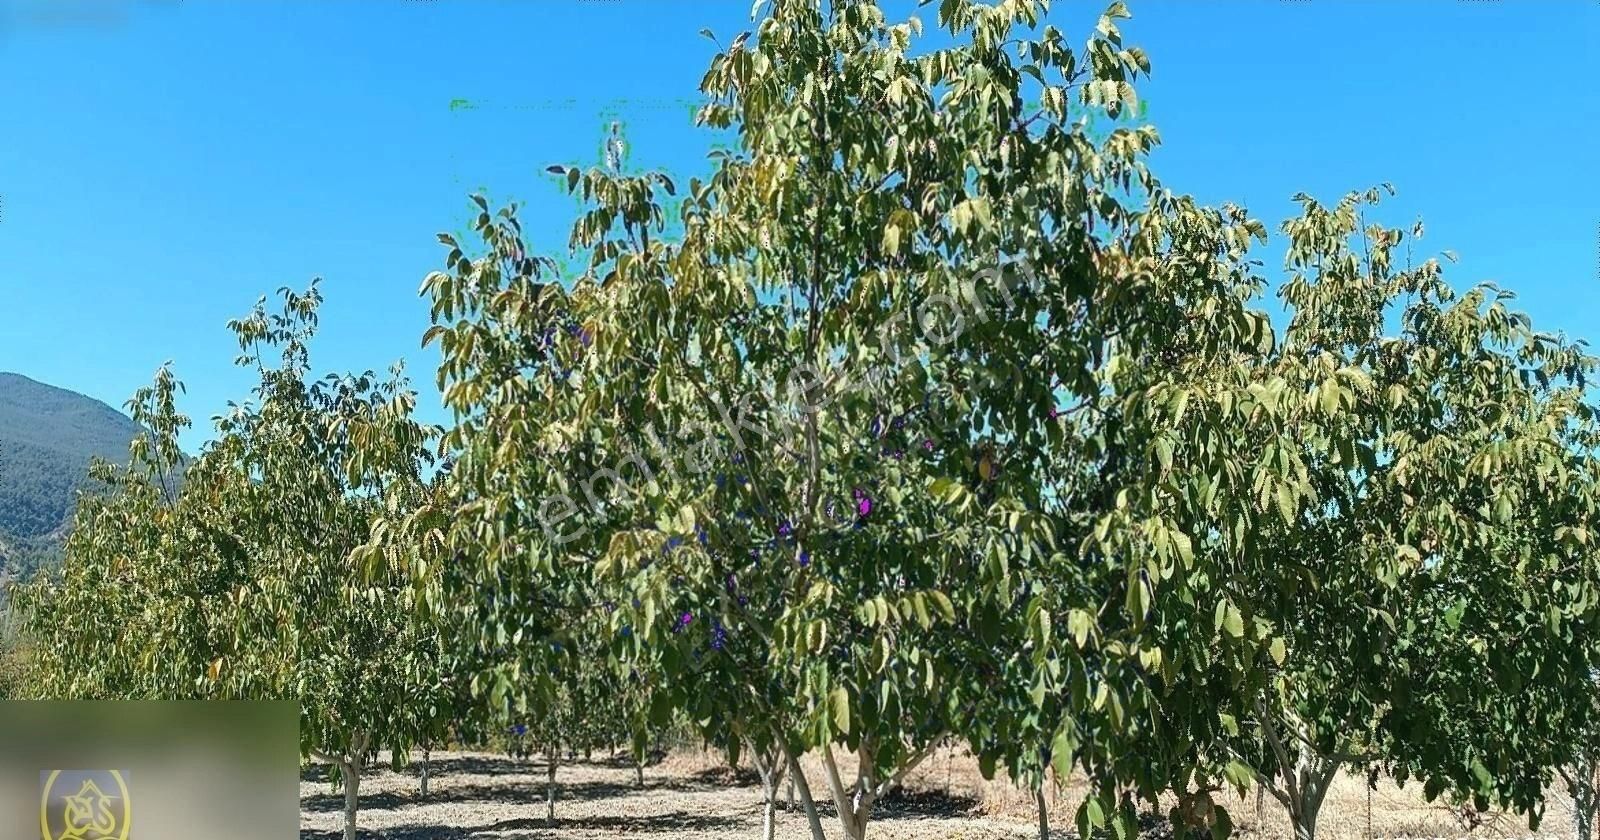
(932, 419)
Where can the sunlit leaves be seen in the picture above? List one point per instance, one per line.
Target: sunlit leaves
(244, 580)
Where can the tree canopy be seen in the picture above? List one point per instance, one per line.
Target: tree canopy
(927, 416)
(239, 584)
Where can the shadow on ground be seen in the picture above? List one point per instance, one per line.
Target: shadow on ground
(724, 777)
(478, 765)
(901, 803)
(518, 830)
(445, 794)
(528, 790)
(537, 829)
(485, 766)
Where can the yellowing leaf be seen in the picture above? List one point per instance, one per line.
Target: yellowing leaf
(1233, 621)
(1078, 622)
(1286, 505)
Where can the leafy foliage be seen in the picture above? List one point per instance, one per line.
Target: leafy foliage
(1410, 496)
(899, 509)
(927, 416)
(239, 583)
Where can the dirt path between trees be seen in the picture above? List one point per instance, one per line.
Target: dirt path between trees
(694, 796)
(688, 797)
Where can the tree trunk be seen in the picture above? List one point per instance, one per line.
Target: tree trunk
(1303, 809)
(425, 755)
(1583, 817)
(853, 806)
(550, 789)
(1303, 789)
(855, 828)
(1370, 786)
(1305, 826)
(352, 796)
(1044, 813)
(798, 776)
(1307, 775)
(769, 798)
(1582, 785)
(769, 818)
(638, 773)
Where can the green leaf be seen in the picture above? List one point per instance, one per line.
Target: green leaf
(1095, 812)
(1328, 395)
(1233, 621)
(1286, 504)
(1241, 775)
(1061, 751)
(1078, 624)
(1180, 405)
(1185, 547)
(1222, 823)
(839, 699)
(1163, 447)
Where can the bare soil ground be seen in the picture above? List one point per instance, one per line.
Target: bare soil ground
(694, 796)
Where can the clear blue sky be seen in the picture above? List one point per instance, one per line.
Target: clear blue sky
(164, 165)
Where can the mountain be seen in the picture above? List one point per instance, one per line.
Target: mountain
(47, 437)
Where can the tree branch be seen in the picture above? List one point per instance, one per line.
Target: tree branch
(324, 757)
(841, 801)
(1278, 748)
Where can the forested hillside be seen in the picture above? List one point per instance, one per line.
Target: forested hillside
(47, 437)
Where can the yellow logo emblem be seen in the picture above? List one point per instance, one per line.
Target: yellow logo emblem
(85, 805)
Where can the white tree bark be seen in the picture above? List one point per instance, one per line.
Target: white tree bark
(797, 777)
(770, 767)
(1306, 777)
(352, 800)
(350, 772)
(849, 808)
(855, 806)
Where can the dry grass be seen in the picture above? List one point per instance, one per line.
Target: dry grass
(693, 795)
